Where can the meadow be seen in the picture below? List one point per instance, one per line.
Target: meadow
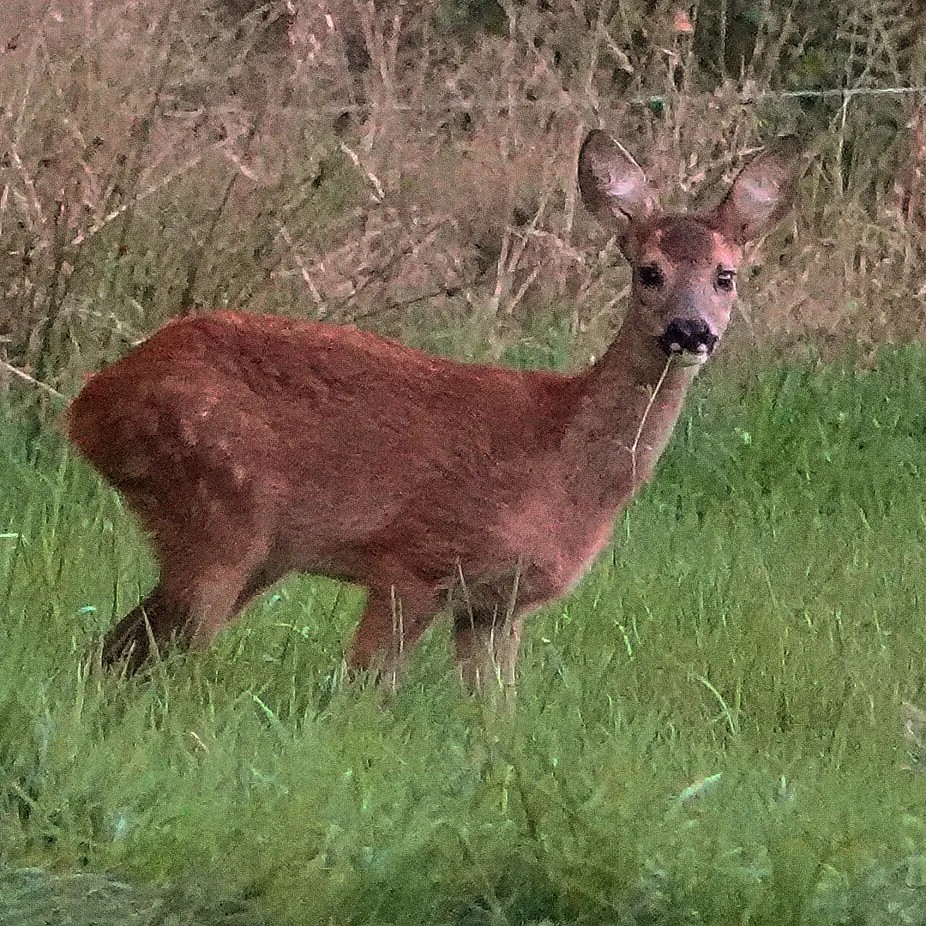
(710, 730)
(725, 723)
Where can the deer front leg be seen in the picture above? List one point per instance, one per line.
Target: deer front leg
(392, 624)
(487, 645)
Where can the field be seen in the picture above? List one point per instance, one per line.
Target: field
(710, 730)
(725, 723)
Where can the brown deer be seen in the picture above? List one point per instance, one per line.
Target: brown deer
(252, 446)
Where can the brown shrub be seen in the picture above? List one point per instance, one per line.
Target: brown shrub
(412, 165)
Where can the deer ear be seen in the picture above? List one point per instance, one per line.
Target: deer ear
(762, 193)
(613, 186)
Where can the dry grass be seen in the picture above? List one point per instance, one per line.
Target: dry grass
(411, 164)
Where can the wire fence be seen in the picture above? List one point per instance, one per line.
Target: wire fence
(744, 96)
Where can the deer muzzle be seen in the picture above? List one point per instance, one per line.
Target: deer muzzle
(689, 339)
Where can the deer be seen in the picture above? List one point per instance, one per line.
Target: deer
(251, 446)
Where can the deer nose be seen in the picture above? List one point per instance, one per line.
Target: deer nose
(688, 336)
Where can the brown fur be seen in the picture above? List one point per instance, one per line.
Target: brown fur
(686, 241)
(251, 446)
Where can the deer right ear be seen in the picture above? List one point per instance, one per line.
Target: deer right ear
(613, 186)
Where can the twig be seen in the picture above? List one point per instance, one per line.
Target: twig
(26, 378)
(380, 193)
(301, 264)
(643, 419)
(176, 174)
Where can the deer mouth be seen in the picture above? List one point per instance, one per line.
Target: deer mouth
(688, 341)
(684, 357)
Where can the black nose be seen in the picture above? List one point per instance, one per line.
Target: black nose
(688, 335)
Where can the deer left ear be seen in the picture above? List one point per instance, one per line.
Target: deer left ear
(762, 193)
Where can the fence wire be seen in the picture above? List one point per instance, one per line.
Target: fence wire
(564, 100)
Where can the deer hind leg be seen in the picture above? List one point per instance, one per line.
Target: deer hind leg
(149, 626)
(213, 551)
(189, 609)
(202, 586)
(487, 643)
(394, 619)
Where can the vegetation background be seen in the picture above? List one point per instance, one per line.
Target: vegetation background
(412, 165)
(721, 725)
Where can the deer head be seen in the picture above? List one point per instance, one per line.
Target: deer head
(684, 265)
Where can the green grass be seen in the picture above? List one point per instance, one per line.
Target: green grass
(760, 619)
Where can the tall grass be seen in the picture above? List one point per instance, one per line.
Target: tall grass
(707, 731)
(393, 161)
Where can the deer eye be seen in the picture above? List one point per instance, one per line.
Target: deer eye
(650, 276)
(726, 279)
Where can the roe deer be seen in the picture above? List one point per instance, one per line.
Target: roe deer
(251, 446)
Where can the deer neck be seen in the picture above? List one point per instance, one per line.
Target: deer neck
(627, 405)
